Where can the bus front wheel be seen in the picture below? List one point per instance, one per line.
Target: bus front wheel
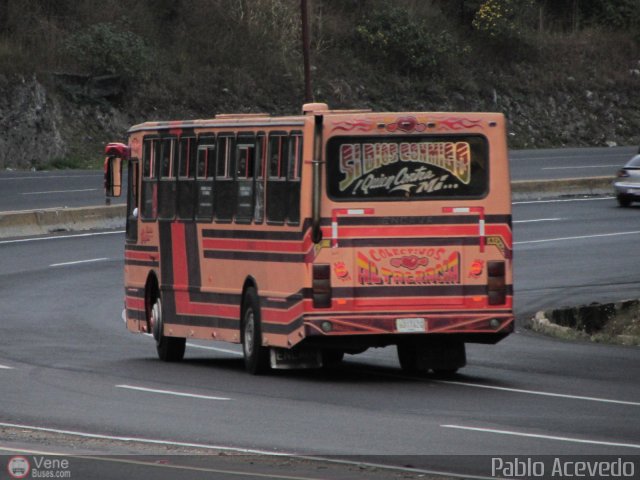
(170, 349)
(256, 357)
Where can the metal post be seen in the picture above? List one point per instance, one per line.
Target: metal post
(308, 93)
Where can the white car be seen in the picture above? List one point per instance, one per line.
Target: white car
(627, 182)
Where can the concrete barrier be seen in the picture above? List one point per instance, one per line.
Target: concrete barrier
(39, 222)
(527, 189)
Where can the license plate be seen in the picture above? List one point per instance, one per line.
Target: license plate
(409, 325)
(632, 191)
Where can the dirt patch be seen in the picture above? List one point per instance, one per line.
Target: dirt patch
(615, 323)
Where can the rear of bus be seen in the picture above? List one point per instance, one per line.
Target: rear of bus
(416, 248)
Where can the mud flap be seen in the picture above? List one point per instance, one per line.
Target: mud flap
(283, 359)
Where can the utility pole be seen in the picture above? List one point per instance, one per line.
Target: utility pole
(308, 92)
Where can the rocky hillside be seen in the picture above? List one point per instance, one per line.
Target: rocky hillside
(83, 74)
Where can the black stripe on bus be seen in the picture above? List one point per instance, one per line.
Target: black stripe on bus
(282, 328)
(393, 242)
(141, 263)
(141, 248)
(255, 256)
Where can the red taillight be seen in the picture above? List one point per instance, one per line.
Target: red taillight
(622, 173)
(321, 286)
(496, 283)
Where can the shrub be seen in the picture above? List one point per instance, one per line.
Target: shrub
(104, 49)
(405, 42)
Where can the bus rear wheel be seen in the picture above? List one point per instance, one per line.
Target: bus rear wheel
(170, 349)
(256, 357)
(444, 357)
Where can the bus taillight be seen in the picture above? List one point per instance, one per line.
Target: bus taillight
(496, 284)
(321, 286)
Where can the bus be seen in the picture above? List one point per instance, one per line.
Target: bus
(307, 237)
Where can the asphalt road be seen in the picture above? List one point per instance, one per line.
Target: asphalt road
(77, 188)
(67, 362)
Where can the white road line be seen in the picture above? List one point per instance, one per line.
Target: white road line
(536, 392)
(5, 367)
(216, 349)
(171, 392)
(581, 237)
(47, 177)
(142, 440)
(539, 220)
(60, 191)
(78, 262)
(562, 200)
(545, 437)
(582, 166)
(59, 237)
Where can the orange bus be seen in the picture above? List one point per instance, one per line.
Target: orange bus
(307, 237)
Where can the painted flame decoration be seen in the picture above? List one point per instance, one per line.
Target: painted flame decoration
(459, 124)
(360, 125)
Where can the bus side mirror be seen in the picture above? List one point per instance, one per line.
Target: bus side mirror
(113, 176)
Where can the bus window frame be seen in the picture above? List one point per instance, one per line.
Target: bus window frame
(150, 180)
(245, 141)
(206, 141)
(167, 180)
(186, 183)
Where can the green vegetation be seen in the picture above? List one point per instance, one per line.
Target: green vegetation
(565, 72)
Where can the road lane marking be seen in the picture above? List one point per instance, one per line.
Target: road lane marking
(47, 177)
(617, 165)
(539, 220)
(580, 237)
(223, 350)
(542, 436)
(60, 191)
(78, 262)
(542, 393)
(5, 367)
(171, 392)
(561, 200)
(59, 237)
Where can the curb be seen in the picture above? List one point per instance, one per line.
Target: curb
(45, 221)
(40, 222)
(614, 323)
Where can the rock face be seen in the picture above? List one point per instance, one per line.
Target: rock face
(30, 122)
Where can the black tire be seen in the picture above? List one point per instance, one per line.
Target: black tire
(170, 349)
(256, 357)
(331, 357)
(408, 358)
(624, 201)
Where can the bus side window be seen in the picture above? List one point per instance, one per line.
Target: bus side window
(225, 188)
(245, 168)
(205, 159)
(132, 201)
(283, 185)
(293, 178)
(277, 191)
(167, 185)
(186, 194)
(260, 165)
(149, 198)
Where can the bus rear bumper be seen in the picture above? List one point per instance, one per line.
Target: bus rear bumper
(392, 329)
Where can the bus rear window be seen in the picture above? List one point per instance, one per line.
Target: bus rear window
(407, 167)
